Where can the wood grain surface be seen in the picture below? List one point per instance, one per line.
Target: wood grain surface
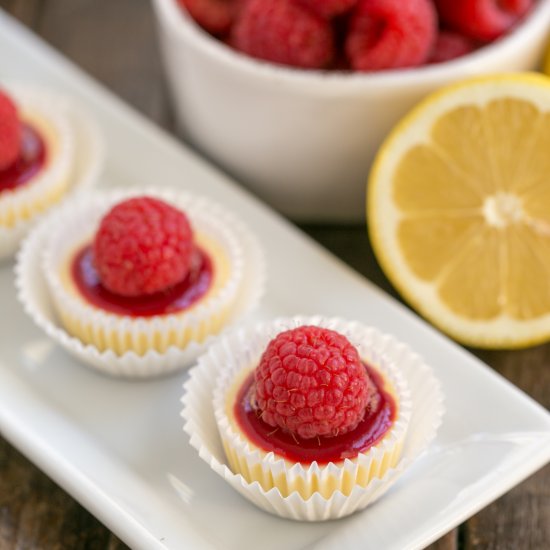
(115, 41)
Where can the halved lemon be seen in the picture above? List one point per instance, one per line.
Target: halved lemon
(458, 210)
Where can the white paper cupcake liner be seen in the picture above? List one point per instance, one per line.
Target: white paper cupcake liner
(39, 300)
(76, 166)
(426, 410)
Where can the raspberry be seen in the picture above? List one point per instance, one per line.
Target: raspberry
(329, 8)
(482, 19)
(283, 32)
(389, 34)
(311, 382)
(143, 246)
(10, 132)
(214, 16)
(450, 45)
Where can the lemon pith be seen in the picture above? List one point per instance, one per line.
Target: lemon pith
(458, 209)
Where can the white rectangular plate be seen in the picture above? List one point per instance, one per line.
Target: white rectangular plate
(118, 446)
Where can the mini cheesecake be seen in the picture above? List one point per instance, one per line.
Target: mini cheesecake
(49, 148)
(188, 306)
(40, 173)
(207, 277)
(300, 484)
(307, 398)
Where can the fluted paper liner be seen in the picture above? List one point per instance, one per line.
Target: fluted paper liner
(75, 165)
(41, 300)
(422, 411)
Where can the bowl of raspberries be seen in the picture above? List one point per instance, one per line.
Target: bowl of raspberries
(294, 97)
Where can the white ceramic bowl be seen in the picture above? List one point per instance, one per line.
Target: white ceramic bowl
(304, 140)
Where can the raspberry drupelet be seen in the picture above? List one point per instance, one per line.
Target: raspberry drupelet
(143, 246)
(215, 16)
(329, 8)
(311, 382)
(451, 45)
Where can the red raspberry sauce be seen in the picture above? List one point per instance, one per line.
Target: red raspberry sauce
(173, 300)
(31, 160)
(379, 417)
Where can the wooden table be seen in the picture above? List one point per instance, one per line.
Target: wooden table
(115, 41)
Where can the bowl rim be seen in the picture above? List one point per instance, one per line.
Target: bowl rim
(538, 21)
